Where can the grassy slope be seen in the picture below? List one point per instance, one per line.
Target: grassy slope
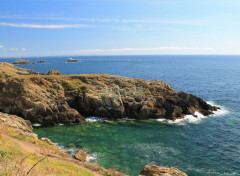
(20, 152)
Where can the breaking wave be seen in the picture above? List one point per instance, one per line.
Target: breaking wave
(198, 116)
(95, 119)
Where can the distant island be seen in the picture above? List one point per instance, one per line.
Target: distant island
(71, 60)
(21, 61)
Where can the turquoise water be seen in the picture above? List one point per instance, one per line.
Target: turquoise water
(208, 146)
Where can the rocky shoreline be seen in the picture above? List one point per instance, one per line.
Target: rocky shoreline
(67, 99)
(54, 98)
(18, 132)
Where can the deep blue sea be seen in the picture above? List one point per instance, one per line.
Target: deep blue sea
(200, 147)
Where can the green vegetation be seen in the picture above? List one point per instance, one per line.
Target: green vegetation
(71, 84)
(82, 91)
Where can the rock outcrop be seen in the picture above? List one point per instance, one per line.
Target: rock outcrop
(48, 141)
(53, 72)
(152, 170)
(41, 62)
(21, 61)
(18, 125)
(52, 99)
(81, 156)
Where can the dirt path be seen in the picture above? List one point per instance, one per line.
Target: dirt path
(27, 146)
(33, 148)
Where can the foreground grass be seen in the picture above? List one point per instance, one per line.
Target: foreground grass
(15, 161)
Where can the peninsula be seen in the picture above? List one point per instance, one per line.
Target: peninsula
(68, 99)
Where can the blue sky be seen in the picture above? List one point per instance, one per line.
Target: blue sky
(118, 27)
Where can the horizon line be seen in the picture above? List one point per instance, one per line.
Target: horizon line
(7, 57)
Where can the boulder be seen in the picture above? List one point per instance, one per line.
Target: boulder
(152, 170)
(53, 72)
(81, 156)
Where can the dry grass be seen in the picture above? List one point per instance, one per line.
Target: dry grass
(14, 161)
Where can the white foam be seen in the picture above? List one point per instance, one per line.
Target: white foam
(60, 124)
(197, 116)
(220, 112)
(125, 119)
(91, 158)
(36, 125)
(95, 119)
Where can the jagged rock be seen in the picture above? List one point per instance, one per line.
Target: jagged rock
(81, 156)
(21, 61)
(53, 72)
(152, 170)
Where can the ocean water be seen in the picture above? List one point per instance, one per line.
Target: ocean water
(207, 146)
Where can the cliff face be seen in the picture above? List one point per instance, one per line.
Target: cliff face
(53, 99)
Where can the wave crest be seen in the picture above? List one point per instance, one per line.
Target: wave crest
(197, 116)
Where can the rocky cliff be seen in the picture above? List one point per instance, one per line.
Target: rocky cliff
(53, 99)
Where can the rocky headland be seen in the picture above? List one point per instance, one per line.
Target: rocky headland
(54, 98)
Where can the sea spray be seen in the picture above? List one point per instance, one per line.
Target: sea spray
(197, 118)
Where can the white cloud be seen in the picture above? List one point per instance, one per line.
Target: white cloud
(1, 46)
(43, 26)
(104, 20)
(139, 49)
(18, 49)
(209, 48)
(13, 49)
(137, 27)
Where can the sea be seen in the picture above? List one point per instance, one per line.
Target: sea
(203, 146)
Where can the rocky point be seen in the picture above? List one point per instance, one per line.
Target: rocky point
(54, 98)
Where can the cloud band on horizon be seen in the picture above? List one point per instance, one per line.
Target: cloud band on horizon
(102, 20)
(43, 26)
(139, 49)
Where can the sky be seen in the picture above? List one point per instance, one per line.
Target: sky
(119, 27)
